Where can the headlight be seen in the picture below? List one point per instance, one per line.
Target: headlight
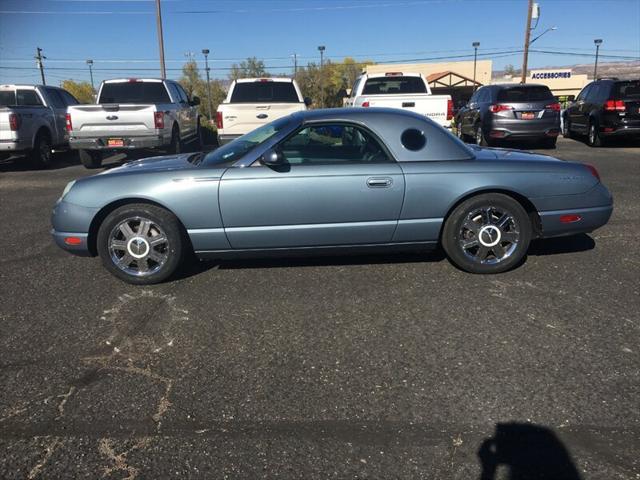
(67, 188)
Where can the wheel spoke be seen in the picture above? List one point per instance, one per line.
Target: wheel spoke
(498, 251)
(156, 256)
(125, 261)
(486, 216)
(143, 264)
(469, 243)
(143, 228)
(482, 252)
(511, 237)
(471, 225)
(126, 230)
(157, 240)
(118, 245)
(503, 221)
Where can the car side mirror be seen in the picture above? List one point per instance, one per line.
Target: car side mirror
(272, 158)
(308, 102)
(195, 101)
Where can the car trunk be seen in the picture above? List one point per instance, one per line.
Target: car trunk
(244, 117)
(112, 119)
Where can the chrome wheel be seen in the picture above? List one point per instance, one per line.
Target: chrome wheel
(592, 134)
(489, 235)
(479, 135)
(138, 246)
(44, 152)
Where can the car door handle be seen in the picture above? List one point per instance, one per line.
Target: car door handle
(381, 182)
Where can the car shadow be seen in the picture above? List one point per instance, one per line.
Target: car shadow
(553, 246)
(526, 451)
(21, 163)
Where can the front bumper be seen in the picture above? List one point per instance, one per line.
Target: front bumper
(71, 221)
(130, 143)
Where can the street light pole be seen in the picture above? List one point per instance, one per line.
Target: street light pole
(475, 57)
(39, 58)
(163, 70)
(321, 49)
(295, 65)
(90, 63)
(205, 52)
(598, 42)
(527, 36)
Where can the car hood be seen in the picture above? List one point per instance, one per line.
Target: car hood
(164, 163)
(485, 153)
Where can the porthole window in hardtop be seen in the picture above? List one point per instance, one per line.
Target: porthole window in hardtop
(413, 139)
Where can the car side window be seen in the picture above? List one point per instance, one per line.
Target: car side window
(585, 91)
(56, 99)
(332, 144)
(68, 98)
(183, 95)
(28, 98)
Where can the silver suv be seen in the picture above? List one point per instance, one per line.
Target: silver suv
(500, 113)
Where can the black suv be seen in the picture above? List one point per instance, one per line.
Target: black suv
(603, 109)
(510, 112)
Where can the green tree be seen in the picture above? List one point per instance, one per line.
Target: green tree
(249, 68)
(509, 70)
(81, 90)
(196, 86)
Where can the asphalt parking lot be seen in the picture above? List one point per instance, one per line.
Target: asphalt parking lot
(353, 367)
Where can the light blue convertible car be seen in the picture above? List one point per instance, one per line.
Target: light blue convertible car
(339, 181)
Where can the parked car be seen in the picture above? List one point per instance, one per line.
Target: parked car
(406, 91)
(132, 114)
(497, 113)
(32, 121)
(252, 102)
(605, 109)
(339, 180)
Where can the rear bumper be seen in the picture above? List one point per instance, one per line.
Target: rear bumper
(589, 220)
(538, 128)
(130, 143)
(621, 132)
(222, 139)
(10, 146)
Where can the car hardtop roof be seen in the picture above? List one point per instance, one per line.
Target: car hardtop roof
(351, 113)
(134, 80)
(516, 85)
(23, 85)
(398, 74)
(265, 79)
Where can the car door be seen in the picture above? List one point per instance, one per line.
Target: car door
(338, 185)
(467, 115)
(579, 113)
(189, 111)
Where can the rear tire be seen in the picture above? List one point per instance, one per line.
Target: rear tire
(479, 137)
(41, 154)
(141, 244)
(593, 135)
(90, 158)
(488, 233)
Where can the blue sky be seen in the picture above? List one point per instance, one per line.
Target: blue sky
(121, 34)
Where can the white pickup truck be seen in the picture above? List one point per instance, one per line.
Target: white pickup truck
(132, 114)
(252, 102)
(32, 121)
(407, 91)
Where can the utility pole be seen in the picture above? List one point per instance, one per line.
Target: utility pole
(321, 49)
(475, 46)
(205, 52)
(163, 70)
(295, 65)
(598, 42)
(90, 63)
(527, 36)
(39, 57)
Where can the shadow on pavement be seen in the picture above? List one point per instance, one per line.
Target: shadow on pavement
(527, 452)
(22, 163)
(553, 246)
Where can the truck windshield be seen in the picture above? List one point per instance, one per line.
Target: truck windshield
(264, 92)
(134, 92)
(235, 150)
(394, 85)
(524, 94)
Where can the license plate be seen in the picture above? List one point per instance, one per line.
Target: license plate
(115, 142)
(528, 115)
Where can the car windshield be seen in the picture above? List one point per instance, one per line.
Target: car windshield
(235, 150)
(628, 90)
(394, 85)
(524, 94)
(134, 92)
(264, 92)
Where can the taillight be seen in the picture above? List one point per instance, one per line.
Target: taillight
(498, 107)
(614, 106)
(592, 170)
(158, 120)
(554, 106)
(14, 122)
(365, 104)
(449, 109)
(68, 124)
(219, 122)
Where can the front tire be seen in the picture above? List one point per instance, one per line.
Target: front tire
(141, 244)
(175, 147)
(488, 233)
(566, 128)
